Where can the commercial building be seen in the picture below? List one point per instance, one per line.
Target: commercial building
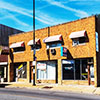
(67, 53)
(5, 31)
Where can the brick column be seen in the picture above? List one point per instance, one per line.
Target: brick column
(28, 71)
(8, 73)
(95, 72)
(59, 72)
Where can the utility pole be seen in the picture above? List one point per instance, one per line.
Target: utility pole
(34, 46)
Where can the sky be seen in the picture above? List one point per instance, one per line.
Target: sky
(19, 13)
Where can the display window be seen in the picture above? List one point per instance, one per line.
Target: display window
(46, 70)
(21, 70)
(76, 70)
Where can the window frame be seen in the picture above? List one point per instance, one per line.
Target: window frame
(76, 41)
(19, 51)
(50, 45)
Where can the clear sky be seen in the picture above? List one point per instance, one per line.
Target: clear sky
(18, 13)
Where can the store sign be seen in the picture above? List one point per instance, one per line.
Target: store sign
(64, 51)
(41, 66)
(97, 43)
(67, 61)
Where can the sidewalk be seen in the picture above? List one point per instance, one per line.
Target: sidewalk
(55, 87)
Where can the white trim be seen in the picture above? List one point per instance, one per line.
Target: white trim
(18, 52)
(3, 63)
(54, 47)
(80, 44)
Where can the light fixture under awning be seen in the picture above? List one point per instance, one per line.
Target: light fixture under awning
(53, 38)
(77, 34)
(37, 41)
(18, 44)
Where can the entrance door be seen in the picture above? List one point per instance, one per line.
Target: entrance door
(51, 70)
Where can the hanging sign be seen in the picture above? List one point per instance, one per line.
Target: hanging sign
(64, 51)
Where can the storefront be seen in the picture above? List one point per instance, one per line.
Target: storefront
(3, 72)
(77, 69)
(47, 71)
(20, 71)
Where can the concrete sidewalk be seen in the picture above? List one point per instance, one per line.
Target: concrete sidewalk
(55, 87)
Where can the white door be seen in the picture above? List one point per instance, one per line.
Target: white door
(51, 70)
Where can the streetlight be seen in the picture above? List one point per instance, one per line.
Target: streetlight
(34, 46)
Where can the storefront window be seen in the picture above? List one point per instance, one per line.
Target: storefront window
(77, 70)
(84, 73)
(1, 72)
(46, 70)
(21, 70)
(68, 71)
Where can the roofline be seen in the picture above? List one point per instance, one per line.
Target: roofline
(55, 25)
(11, 27)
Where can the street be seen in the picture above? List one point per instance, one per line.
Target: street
(32, 94)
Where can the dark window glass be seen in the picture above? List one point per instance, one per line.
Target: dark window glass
(77, 69)
(78, 41)
(36, 47)
(19, 49)
(79, 73)
(81, 40)
(68, 71)
(54, 44)
(84, 74)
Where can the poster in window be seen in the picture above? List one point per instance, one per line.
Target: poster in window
(64, 51)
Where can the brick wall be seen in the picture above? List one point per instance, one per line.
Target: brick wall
(82, 51)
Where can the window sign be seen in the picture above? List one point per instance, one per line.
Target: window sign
(64, 51)
(22, 70)
(41, 66)
(97, 43)
(92, 72)
(67, 61)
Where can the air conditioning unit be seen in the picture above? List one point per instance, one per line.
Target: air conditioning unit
(53, 51)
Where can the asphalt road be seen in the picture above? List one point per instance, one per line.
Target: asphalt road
(31, 94)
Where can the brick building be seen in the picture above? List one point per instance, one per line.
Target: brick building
(5, 32)
(65, 54)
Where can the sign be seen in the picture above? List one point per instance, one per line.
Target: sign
(67, 61)
(41, 66)
(64, 51)
(33, 63)
(97, 43)
(20, 67)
